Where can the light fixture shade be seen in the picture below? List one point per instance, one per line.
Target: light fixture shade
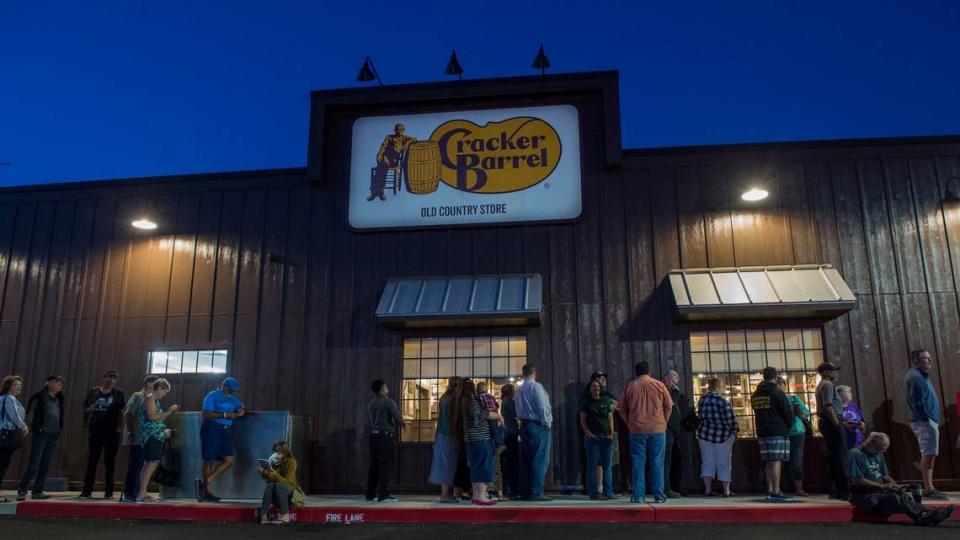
(541, 62)
(144, 223)
(453, 66)
(754, 194)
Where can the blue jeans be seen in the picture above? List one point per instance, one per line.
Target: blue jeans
(131, 486)
(647, 448)
(599, 452)
(534, 458)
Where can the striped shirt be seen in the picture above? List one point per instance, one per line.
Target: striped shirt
(476, 426)
(717, 421)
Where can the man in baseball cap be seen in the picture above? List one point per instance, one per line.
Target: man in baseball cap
(46, 424)
(220, 408)
(830, 412)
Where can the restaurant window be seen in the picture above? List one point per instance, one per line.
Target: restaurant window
(185, 362)
(737, 357)
(429, 362)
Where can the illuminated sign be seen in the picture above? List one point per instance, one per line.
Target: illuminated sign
(466, 167)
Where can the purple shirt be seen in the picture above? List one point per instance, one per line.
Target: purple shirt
(852, 414)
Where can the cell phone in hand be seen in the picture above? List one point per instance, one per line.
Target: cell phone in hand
(264, 464)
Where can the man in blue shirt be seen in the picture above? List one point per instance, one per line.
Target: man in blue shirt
(925, 417)
(220, 408)
(533, 410)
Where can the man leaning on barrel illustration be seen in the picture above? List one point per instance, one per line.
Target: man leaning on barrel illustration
(389, 156)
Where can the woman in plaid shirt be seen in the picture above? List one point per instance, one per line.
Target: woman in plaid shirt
(716, 433)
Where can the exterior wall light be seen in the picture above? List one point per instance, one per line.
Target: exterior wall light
(754, 194)
(953, 190)
(144, 223)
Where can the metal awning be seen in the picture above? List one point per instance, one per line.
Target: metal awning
(497, 300)
(812, 291)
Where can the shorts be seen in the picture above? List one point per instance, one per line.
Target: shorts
(774, 448)
(152, 450)
(928, 436)
(215, 441)
(480, 459)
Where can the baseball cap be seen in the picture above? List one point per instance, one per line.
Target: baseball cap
(828, 366)
(112, 373)
(597, 374)
(231, 383)
(56, 378)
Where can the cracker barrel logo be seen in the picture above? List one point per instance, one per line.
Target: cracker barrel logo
(498, 157)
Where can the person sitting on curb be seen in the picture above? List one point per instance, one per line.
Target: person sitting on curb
(875, 491)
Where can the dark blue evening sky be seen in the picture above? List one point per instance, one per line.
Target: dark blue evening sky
(95, 90)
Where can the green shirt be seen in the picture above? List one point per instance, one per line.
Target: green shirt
(151, 429)
(798, 429)
(598, 415)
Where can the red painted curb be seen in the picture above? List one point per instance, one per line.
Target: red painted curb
(464, 513)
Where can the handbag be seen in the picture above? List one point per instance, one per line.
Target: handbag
(298, 499)
(690, 423)
(10, 439)
(168, 471)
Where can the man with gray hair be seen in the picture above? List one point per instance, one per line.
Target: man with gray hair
(673, 453)
(875, 491)
(925, 417)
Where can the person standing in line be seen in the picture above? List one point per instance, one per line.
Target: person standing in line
(498, 433)
(443, 466)
(797, 436)
(383, 420)
(925, 416)
(131, 438)
(220, 408)
(673, 453)
(852, 418)
(601, 378)
(471, 424)
(645, 405)
(716, 433)
(12, 419)
(511, 456)
(596, 420)
(875, 491)
(536, 419)
(830, 414)
(774, 419)
(46, 423)
(153, 433)
(104, 422)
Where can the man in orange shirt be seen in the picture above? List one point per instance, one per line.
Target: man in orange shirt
(645, 406)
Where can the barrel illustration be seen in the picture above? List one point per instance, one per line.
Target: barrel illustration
(423, 167)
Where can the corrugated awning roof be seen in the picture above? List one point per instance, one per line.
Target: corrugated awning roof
(497, 300)
(757, 292)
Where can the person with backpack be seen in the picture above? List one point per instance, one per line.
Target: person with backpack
(153, 433)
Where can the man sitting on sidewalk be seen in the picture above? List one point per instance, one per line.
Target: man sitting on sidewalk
(874, 490)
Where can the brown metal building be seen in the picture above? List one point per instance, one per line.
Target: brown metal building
(264, 265)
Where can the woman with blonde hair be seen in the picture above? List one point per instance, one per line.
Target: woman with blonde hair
(153, 433)
(281, 479)
(716, 433)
